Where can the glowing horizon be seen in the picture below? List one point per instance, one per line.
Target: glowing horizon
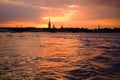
(69, 13)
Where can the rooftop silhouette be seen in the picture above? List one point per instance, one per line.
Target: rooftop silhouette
(62, 29)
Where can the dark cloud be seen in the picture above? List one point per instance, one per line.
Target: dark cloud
(110, 3)
(31, 11)
(46, 3)
(107, 9)
(61, 3)
(11, 12)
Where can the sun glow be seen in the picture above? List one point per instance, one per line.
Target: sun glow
(66, 17)
(57, 18)
(43, 26)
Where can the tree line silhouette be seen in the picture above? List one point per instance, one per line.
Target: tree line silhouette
(32, 29)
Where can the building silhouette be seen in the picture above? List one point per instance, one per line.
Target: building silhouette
(99, 27)
(49, 24)
(53, 26)
(62, 27)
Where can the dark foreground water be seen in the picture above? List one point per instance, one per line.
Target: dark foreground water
(59, 56)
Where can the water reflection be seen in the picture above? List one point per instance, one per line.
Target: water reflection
(59, 56)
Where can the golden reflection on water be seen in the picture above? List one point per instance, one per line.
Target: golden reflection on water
(58, 56)
(60, 53)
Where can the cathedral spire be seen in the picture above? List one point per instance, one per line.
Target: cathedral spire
(49, 23)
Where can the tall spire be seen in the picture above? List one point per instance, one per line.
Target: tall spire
(49, 23)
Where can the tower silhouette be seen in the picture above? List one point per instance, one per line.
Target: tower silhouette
(49, 23)
(99, 26)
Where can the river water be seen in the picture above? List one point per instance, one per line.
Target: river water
(59, 56)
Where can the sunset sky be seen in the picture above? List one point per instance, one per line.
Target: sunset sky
(69, 13)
